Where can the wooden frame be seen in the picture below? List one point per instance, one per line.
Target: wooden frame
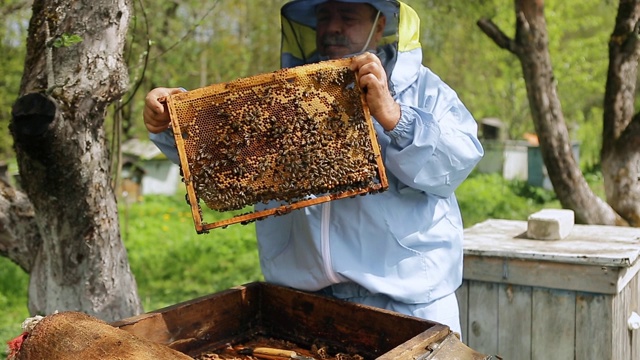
(232, 148)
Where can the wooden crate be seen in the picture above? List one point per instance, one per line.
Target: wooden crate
(258, 309)
(564, 299)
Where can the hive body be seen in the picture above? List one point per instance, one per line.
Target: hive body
(298, 136)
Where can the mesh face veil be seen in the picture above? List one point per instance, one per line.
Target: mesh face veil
(299, 25)
(371, 32)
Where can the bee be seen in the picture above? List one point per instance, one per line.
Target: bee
(307, 91)
(320, 77)
(255, 127)
(267, 91)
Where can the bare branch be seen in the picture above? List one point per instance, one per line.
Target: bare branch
(19, 235)
(494, 33)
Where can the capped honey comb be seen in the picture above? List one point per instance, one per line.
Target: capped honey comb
(291, 138)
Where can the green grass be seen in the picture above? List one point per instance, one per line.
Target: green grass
(489, 196)
(172, 263)
(13, 301)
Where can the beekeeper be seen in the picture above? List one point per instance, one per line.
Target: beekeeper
(401, 249)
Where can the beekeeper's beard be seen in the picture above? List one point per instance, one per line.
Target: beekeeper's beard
(341, 40)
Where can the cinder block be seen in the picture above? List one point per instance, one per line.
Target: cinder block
(550, 224)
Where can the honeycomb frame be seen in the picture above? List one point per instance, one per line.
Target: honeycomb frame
(297, 137)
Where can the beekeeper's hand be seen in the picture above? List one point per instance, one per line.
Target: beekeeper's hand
(156, 114)
(373, 81)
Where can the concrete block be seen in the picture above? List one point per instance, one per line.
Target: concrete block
(550, 224)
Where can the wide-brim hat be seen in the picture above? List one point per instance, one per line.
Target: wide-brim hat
(304, 12)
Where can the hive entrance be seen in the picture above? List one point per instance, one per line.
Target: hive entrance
(296, 137)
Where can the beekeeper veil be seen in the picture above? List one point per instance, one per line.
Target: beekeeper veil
(400, 35)
(299, 36)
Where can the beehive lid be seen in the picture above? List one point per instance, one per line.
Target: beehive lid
(298, 137)
(591, 258)
(586, 244)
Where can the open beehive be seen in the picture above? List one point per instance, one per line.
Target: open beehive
(291, 138)
(244, 315)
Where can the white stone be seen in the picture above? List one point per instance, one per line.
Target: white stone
(550, 224)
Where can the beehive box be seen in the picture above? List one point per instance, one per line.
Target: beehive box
(562, 299)
(238, 315)
(298, 136)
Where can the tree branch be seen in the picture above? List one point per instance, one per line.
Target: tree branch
(494, 33)
(19, 235)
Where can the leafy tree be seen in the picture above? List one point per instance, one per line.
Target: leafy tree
(621, 130)
(490, 80)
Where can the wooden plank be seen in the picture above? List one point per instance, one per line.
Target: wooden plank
(593, 327)
(463, 304)
(553, 330)
(514, 332)
(483, 317)
(535, 273)
(587, 244)
(372, 331)
(417, 346)
(626, 343)
(183, 326)
(626, 274)
(634, 289)
(620, 332)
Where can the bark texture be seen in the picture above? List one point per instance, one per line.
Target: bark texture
(621, 128)
(530, 45)
(80, 262)
(19, 235)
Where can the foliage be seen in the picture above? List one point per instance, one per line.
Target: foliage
(66, 40)
(536, 194)
(490, 196)
(13, 300)
(489, 79)
(14, 19)
(165, 251)
(194, 44)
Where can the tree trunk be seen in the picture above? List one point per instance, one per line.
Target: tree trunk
(58, 130)
(621, 129)
(531, 47)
